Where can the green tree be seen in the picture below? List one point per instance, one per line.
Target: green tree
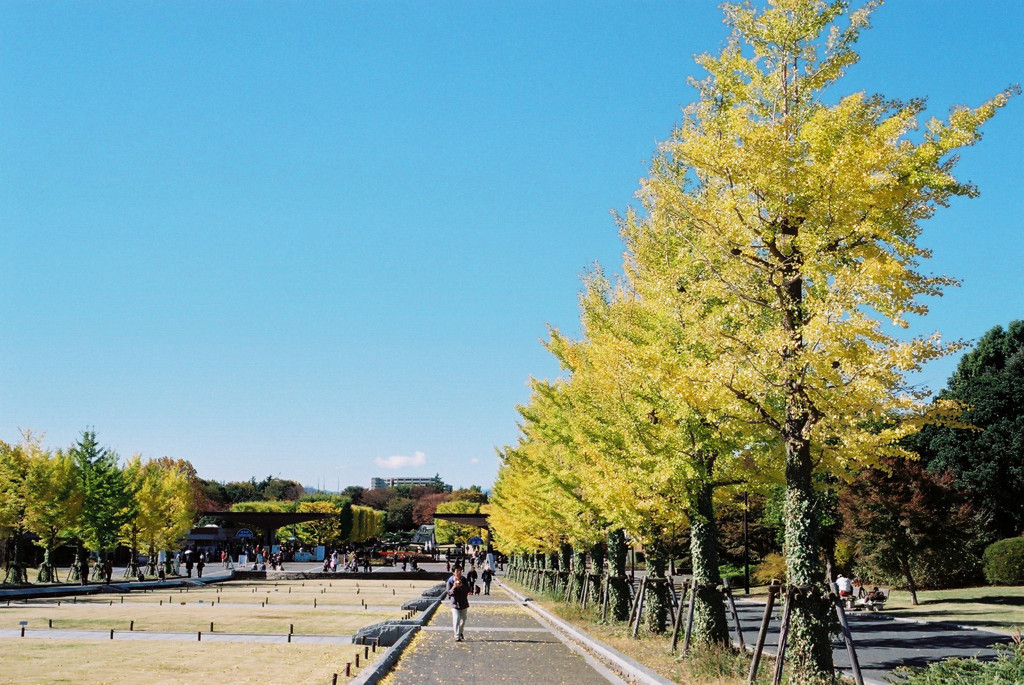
(354, 493)
(107, 498)
(986, 453)
(399, 514)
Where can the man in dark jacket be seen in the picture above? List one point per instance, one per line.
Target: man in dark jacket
(486, 577)
(458, 591)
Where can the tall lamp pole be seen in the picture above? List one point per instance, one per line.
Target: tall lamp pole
(746, 549)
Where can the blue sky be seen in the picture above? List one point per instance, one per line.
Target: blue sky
(322, 240)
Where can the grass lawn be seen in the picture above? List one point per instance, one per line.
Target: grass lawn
(158, 663)
(271, 607)
(992, 608)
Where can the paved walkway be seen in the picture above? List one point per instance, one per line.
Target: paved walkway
(883, 644)
(505, 643)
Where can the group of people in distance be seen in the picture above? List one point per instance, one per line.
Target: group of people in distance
(846, 591)
(459, 588)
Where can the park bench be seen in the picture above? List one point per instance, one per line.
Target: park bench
(859, 603)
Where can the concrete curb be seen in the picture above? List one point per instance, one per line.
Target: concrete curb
(383, 665)
(626, 667)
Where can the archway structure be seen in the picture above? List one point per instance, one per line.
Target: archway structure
(268, 521)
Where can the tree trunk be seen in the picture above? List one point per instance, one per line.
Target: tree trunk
(809, 648)
(710, 625)
(657, 601)
(579, 575)
(16, 574)
(597, 557)
(47, 574)
(908, 574)
(564, 563)
(618, 590)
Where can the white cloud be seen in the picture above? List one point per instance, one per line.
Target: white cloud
(474, 460)
(400, 462)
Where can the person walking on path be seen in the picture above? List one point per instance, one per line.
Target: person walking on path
(458, 591)
(486, 578)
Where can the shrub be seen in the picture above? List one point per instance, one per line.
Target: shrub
(1004, 562)
(773, 566)
(1007, 668)
(735, 574)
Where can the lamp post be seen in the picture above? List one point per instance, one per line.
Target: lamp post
(746, 549)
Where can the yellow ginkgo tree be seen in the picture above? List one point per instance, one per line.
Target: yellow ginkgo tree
(785, 219)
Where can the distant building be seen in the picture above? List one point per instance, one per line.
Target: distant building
(379, 483)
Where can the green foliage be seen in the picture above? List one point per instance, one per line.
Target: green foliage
(1004, 562)
(1007, 668)
(109, 501)
(471, 494)
(986, 453)
(399, 514)
(734, 574)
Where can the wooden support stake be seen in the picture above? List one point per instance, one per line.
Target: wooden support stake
(780, 653)
(111, 633)
(199, 636)
(689, 615)
(735, 614)
(762, 634)
(679, 620)
(607, 594)
(641, 596)
(858, 678)
(131, 625)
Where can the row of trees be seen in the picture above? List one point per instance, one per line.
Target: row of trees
(83, 495)
(748, 343)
